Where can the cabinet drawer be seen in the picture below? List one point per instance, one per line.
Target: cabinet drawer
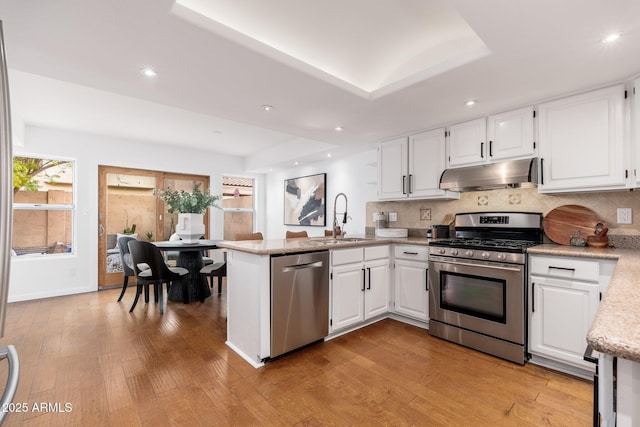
(418, 253)
(565, 267)
(376, 252)
(347, 256)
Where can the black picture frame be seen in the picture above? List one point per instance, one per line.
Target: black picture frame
(304, 200)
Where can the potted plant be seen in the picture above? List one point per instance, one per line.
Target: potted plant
(191, 208)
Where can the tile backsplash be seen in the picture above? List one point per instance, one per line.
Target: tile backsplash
(604, 204)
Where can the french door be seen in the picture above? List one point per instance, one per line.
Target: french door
(127, 205)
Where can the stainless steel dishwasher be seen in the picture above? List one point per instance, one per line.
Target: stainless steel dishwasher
(299, 300)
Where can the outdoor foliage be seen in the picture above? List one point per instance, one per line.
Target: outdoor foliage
(26, 168)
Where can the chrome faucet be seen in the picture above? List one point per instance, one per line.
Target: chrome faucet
(335, 218)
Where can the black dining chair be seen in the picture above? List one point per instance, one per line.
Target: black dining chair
(217, 269)
(158, 272)
(127, 265)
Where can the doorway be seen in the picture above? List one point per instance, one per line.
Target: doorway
(127, 204)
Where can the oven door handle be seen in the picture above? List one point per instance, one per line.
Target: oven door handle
(494, 267)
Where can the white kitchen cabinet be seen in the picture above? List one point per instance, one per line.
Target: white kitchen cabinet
(411, 281)
(635, 130)
(411, 167)
(582, 142)
(511, 135)
(564, 295)
(359, 285)
(560, 316)
(467, 143)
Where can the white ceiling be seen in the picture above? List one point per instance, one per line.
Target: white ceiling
(379, 69)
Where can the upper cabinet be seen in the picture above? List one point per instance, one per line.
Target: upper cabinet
(635, 129)
(411, 167)
(582, 142)
(502, 136)
(510, 134)
(467, 143)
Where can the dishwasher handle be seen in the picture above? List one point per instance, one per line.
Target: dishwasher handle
(296, 267)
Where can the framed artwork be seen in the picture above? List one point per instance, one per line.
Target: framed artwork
(304, 200)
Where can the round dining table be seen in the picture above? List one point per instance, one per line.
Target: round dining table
(195, 286)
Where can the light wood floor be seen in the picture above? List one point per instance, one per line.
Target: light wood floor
(122, 369)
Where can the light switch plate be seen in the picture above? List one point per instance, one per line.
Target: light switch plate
(393, 216)
(625, 216)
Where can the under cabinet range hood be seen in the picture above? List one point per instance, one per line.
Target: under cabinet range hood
(508, 174)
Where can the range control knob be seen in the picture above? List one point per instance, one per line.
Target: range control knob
(469, 253)
(454, 252)
(485, 255)
(502, 257)
(441, 251)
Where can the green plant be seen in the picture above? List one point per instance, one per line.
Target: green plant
(130, 230)
(195, 202)
(149, 235)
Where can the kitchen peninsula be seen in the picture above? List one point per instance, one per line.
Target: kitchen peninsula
(249, 289)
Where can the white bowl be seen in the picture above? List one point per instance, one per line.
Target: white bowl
(392, 232)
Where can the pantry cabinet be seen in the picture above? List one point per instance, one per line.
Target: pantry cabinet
(582, 142)
(411, 167)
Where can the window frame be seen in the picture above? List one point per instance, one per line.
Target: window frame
(71, 207)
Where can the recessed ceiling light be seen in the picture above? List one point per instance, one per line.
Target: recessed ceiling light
(296, 163)
(470, 103)
(148, 72)
(328, 154)
(611, 38)
(267, 107)
(338, 128)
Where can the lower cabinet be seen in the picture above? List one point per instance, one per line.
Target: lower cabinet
(561, 314)
(360, 280)
(411, 281)
(564, 295)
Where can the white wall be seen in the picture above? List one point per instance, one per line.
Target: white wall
(67, 274)
(355, 176)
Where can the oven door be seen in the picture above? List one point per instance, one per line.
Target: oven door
(484, 297)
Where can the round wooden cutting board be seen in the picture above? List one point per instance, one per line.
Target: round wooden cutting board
(564, 220)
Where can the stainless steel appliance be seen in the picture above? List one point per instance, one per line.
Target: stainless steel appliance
(299, 300)
(6, 210)
(506, 174)
(478, 282)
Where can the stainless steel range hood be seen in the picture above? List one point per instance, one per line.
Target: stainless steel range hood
(508, 174)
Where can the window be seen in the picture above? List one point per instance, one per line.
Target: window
(42, 206)
(238, 206)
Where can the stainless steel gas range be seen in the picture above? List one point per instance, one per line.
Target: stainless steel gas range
(478, 282)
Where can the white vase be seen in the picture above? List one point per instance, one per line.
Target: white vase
(190, 227)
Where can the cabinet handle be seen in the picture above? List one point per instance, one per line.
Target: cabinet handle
(369, 273)
(410, 253)
(541, 171)
(404, 183)
(533, 297)
(410, 183)
(482, 150)
(562, 268)
(364, 279)
(426, 282)
(490, 148)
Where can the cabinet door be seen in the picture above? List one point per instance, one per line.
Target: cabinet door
(427, 161)
(561, 312)
(510, 134)
(347, 295)
(411, 289)
(582, 142)
(467, 143)
(635, 129)
(376, 297)
(392, 169)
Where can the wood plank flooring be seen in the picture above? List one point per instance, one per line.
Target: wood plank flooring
(116, 368)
